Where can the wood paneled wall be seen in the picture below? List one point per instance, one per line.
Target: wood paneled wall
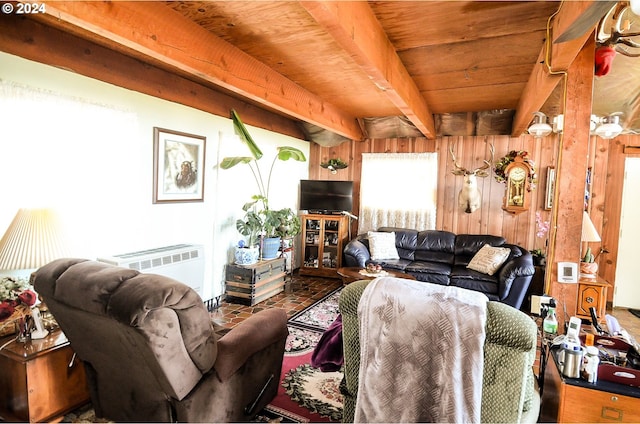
(606, 160)
(470, 153)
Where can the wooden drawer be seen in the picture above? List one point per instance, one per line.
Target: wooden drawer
(586, 405)
(592, 293)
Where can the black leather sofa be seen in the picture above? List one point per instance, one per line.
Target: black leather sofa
(441, 257)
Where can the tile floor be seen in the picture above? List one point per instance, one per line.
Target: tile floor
(304, 291)
(299, 293)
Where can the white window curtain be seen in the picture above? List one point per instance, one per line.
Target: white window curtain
(398, 190)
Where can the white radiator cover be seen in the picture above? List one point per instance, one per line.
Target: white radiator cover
(182, 262)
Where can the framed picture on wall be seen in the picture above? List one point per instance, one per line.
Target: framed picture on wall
(587, 189)
(178, 166)
(551, 183)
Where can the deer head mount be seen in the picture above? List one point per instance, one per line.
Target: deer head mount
(469, 198)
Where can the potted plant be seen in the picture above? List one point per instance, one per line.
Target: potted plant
(259, 205)
(247, 252)
(289, 224)
(539, 258)
(588, 266)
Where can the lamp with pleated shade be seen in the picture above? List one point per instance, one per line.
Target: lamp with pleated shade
(33, 239)
(589, 234)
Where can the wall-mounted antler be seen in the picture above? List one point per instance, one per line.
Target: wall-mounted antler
(480, 172)
(470, 197)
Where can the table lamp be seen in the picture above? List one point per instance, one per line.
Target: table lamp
(588, 267)
(33, 239)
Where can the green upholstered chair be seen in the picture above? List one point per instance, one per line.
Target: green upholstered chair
(510, 395)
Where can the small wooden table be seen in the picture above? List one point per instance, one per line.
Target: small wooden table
(40, 380)
(352, 273)
(573, 400)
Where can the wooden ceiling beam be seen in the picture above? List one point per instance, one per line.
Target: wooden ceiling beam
(158, 33)
(39, 42)
(542, 82)
(355, 28)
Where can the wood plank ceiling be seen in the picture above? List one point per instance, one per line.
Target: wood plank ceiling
(336, 65)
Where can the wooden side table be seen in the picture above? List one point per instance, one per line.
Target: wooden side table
(592, 292)
(40, 380)
(572, 400)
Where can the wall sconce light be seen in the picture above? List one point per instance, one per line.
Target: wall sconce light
(539, 127)
(609, 127)
(593, 124)
(558, 124)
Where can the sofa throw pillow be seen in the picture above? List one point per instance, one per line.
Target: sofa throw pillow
(382, 245)
(489, 259)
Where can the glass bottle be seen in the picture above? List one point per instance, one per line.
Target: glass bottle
(550, 323)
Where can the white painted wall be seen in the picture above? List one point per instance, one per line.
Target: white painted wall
(90, 156)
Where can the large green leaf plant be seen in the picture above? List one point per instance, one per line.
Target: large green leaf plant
(258, 217)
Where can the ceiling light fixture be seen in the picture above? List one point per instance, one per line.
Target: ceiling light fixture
(609, 127)
(539, 127)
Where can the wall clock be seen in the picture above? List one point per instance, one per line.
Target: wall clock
(517, 192)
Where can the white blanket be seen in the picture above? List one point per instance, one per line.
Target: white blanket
(421, 352)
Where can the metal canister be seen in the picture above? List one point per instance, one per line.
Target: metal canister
(571, 359)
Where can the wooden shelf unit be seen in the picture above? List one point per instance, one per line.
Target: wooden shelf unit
(323, 240)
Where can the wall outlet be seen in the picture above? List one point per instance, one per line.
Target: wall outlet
(537, 302)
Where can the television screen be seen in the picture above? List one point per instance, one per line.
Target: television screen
(326, 196)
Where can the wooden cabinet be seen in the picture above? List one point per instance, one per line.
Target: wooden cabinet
(40, 380)
(567, 400)
(323, 238)
(251, 284)
(592, 292)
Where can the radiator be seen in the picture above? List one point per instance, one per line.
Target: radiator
(182, 262)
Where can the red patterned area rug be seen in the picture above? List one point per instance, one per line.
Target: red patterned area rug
(320, 315)
(306, 394)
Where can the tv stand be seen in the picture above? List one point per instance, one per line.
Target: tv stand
(324, 212)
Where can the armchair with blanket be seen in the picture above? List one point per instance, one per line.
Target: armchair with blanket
(149, 347)
(508, 392)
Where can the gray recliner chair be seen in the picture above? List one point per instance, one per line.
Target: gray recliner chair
(150, 350)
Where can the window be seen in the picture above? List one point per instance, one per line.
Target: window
(398, 190)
